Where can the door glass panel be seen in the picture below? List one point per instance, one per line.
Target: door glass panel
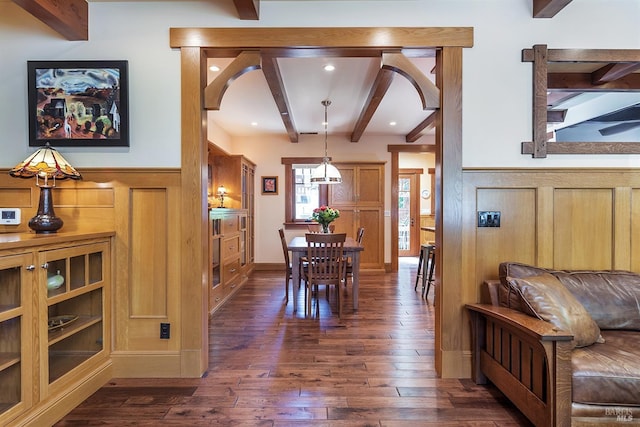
(404, 214)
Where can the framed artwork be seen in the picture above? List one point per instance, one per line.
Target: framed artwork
(78, 103)
(269, 185)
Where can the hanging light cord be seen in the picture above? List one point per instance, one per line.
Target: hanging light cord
(326, 104)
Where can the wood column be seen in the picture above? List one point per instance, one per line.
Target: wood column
(450, 324)
(194, 253)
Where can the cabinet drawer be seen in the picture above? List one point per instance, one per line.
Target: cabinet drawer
(231, 270)
(230, 224)
(216, 296)
(230, 246)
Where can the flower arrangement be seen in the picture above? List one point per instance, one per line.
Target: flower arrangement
(324, 215)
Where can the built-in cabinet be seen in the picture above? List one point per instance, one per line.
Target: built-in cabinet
(228, 254)
(54, 323)
(360, 199)
(231, 229)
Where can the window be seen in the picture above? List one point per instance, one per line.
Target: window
(301, 196)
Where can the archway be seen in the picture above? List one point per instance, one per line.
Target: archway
(194, 44)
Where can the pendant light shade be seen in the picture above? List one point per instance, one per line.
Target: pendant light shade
(326, 173)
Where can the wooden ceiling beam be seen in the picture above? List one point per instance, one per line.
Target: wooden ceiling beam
(395, 62)
(548, 8)
(245, 62)
(70, 18)
(556, 116)
(272, 73)
(378, 90)
(426, 124)
(248, 9)
(583, 82)
(614, 71)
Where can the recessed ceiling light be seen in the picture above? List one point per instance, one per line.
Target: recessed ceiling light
(392, 123)
(329, 67)
(214, 68)
(254, 123)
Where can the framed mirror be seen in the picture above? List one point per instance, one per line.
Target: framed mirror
(585, 101)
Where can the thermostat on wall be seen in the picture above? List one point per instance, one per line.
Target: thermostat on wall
(10, 216)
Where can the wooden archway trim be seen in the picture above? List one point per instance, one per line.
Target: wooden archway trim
(246, 61)
(195, 45)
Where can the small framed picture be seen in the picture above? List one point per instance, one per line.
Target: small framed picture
(269, 185)
(78, 103)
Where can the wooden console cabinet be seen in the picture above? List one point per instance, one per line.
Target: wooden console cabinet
(229, 253)
(55, 327)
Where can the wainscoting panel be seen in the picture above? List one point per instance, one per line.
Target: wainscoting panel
(148, 290)
(583, 228)
(516, 237)
(143, 207)
(556, 218)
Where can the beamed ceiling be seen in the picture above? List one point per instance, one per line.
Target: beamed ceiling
(368, 90)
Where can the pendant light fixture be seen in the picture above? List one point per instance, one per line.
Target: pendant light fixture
(326, 173)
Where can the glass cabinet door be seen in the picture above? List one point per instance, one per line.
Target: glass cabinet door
(74, 302)
(16, 279)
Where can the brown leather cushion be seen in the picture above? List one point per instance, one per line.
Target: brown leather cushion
(549, 300)
(506, 295)
(608, 373)
(612, 297)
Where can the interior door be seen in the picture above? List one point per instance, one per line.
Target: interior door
(408, 214)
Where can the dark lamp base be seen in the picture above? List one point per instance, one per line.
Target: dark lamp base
(45, 224)
(45, 221)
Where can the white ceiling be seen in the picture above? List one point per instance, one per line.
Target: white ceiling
(248, 99)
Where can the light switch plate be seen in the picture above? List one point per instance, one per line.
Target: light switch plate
(10, 216)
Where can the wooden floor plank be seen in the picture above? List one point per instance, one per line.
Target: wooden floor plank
(271, 367)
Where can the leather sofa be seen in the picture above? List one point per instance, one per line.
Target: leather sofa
(563, 346)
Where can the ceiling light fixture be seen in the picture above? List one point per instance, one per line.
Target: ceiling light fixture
(326, 173)
(329, 67)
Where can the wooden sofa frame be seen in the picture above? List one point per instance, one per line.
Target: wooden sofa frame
(527, 359)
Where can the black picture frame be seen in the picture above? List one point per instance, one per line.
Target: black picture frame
(64, 96)
(270, 185)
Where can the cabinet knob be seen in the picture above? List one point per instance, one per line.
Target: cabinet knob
(45, 265)
(30, 267)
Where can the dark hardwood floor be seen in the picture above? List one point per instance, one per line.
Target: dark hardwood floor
(269, 367)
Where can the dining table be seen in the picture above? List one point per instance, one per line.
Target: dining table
(298, 247)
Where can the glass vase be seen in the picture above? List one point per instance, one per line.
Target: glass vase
(325, 227)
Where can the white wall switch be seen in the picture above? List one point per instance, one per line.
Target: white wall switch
(10, 216)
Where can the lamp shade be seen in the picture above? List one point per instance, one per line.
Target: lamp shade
(46, 163)
(326, 173)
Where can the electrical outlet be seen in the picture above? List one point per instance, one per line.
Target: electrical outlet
(165, 331)
(488, 218)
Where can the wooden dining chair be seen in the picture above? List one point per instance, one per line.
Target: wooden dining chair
(326, 266)
(288, 276)
(349, 267)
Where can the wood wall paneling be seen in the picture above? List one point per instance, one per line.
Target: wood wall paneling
(148, 290)
(634, 243)
(142, 206)
(583, 228)
(515, 239)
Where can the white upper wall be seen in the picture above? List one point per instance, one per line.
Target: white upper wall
(496, 87)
